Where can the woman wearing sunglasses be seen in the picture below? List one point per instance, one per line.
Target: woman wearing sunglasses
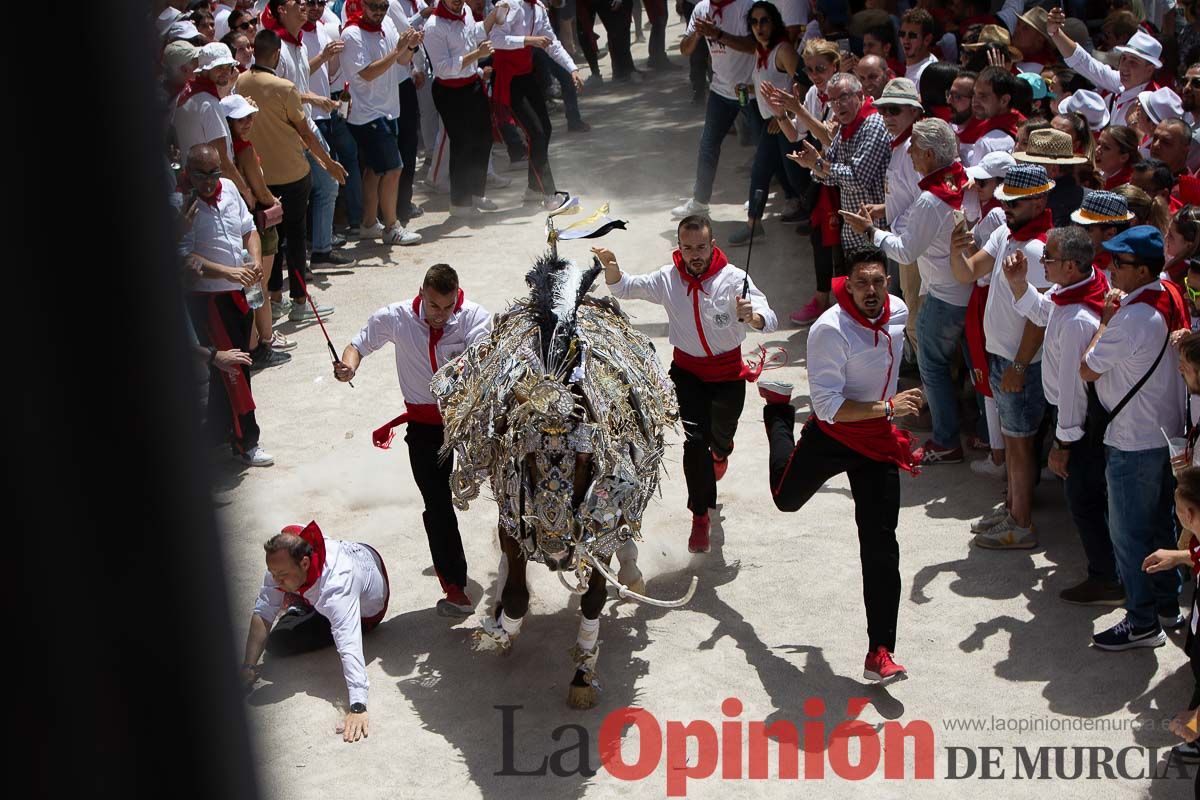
(1181, 245)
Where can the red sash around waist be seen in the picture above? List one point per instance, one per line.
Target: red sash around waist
(425, 413)
(877, 439)
(727, 366)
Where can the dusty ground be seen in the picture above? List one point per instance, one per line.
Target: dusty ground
(778, 616)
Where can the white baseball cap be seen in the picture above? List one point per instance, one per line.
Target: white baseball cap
(1161, 104)
(994, 165)
(182, 30)
(213, 55)
(1145, 47)
(1089, 105)
(235, 106)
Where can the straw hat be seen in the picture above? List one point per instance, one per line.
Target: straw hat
(995, 34)
(1050, 146)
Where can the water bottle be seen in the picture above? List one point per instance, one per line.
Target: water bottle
(254, 294)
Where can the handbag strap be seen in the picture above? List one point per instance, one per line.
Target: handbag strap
(1125, 400)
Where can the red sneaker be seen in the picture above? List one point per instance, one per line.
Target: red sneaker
(698, 541)
(881, 668)
(720, 466)
(455, 603)
(934, 453)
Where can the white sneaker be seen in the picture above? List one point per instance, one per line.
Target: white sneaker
(256, 457)
(464, 211)
(398, 234)
(990, 520)
(373, 231)
(987, 468)
(495, 181)
(688, 209)
(483, 204)
(553, 202)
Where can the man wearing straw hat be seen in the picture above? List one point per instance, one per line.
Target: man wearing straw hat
(1013, 346)
(1140, 57)
(1055, 150)
(1103, 215)
(1137, 381)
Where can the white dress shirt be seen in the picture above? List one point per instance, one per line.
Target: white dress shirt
(990, 142)
(416, 357)
(900, 189)
(715, 307)
(447, 41)
(221, 21)
(216, 235)
(1130, 343)
(1003, 325)
(350, 587)
(926, 242)
(1108, 79)
(411, 9)
(730, 67)
(376, 98)
(847, 361)
(1069, 331)
(200, 120)
(525, 19)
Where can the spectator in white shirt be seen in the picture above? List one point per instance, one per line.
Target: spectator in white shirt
(1070, 312)
(1137, 381)
(199, 119)
(918, 30)
(925, 239)
(993, 125)
(317, 592)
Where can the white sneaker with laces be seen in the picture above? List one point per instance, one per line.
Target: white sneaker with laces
(987, 468)
(256, 457)
(688, 209)
(373, 231)
(990, 520)
(484, 204)
(398, 234)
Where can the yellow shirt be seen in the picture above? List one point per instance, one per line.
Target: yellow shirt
(273, 134)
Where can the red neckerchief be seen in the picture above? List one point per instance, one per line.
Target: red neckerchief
(316, 562)
(362, 22)
(1168, 303)
(761, 55)
(441, 11)
(868, 108)
(1177, 270)
(283, 34)
(944, 113)
(1090, 295)
(1103, 261)
(241, 144)
(214, 198)
(946, 184)
(1119, 179)
(822, 98)
(902, 138)
(976, 128)
(693, 282)
(718, 8)
(309, 27)
(847, 303)
(196, 86)
(986, 208)
(1036, 228)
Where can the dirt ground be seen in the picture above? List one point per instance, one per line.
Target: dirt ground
(777, 621)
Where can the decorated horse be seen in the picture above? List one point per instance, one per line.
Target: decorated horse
(562, 411)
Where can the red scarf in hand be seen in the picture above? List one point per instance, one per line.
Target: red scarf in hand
(877, 439)
(441, 11)
(717, 7)
(902, 138)
(946, 184)
(1168, 303)
(694, 283)
(868, 108)
(1036, 228)
(1120, 179)
(976, 128)
(976, 340)
(1090, 294)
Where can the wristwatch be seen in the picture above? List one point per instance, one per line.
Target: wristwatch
(358, 708)
(1061, 445)
(1019, 367)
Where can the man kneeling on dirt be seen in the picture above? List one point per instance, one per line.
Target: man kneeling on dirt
(329, 592)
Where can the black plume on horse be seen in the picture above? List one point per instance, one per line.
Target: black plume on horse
(556, 290)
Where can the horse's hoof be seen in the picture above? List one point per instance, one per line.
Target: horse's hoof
(492, 638)
(582, 697)
(638, 586)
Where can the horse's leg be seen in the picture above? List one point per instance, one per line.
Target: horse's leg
(499, 630)
(629, 574)
(584, 688)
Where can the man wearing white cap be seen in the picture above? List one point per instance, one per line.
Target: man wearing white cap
(1160, 104)
(179, 62)
(1014, 347)
(199, 119)
(1088, 105)
(1140, 57)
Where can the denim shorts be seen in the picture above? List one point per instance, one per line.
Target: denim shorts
(1020, 412)
(377, 148)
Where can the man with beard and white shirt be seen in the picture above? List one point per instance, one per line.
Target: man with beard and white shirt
(1070, 312)
(1189, 94)
(917, 32)
(722, 23)
(993, 123)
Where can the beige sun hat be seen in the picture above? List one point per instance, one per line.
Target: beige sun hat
(1050, 146)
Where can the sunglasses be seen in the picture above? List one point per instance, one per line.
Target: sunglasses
(818, 69)
(1118, 262)
(889, 111)
(249, 24)
(204, 177)
(1193, 294)
(909, 35)
(377, 6)
(1191, 83)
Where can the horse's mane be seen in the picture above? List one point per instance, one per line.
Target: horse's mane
(556, 288)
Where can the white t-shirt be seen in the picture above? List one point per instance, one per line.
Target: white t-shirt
(379, 97)
(318, 82)
(772, 75)
(200, 120)
(730, 67)
(900, 189)
(1003, 325)
(913, 71)
(991, 141)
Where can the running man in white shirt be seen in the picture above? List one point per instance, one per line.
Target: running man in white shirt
(854, 351)
(427, 332)
(329, 592)
(707, 318)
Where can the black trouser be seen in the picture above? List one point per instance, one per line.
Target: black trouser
(408, 135)
(433, 479)
(799, 470)
(1192, 646)
(698, 67)
(656, 10)
(823, 259)
(292, 233)
(233, 333)
(468, 119)
(1087, 500)
(709, 412)
(529, 109)
(616, 25)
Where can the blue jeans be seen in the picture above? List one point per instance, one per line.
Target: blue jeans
(940, 334)
(719, 117)
(324, 197)
(345, 151)
(1141, 520)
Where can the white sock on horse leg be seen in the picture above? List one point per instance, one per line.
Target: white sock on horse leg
(589, 631)
(511, 626)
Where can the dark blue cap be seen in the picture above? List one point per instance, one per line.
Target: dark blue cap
(1144, 241)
